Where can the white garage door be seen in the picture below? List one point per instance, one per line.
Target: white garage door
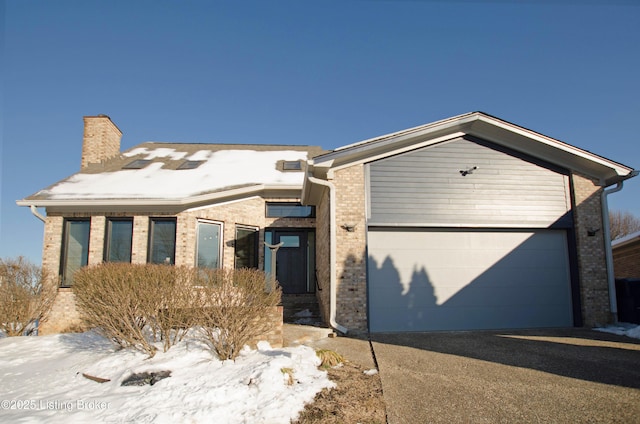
(464, 280)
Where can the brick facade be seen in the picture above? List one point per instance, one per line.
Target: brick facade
(351, 245)
(626, 260)
(592, 270)
(249, 212)
(101, 140)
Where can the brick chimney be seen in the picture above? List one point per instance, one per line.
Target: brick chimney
(101, 140)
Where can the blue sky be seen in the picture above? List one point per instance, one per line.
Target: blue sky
(325, 73)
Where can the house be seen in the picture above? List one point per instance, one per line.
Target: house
(466, 223)
(626, 256)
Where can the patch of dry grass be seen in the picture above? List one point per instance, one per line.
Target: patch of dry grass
(356, 399)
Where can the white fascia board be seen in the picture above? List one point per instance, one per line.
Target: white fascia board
(182, 202)
(482, 126)
(618, 168)
(400, 150)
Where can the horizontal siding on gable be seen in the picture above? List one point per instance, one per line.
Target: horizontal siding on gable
(425, 187)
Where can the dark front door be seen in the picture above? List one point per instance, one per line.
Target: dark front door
(291, 261)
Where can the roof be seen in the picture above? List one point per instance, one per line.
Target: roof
(480, 125)
(628, 239)
(221, 171)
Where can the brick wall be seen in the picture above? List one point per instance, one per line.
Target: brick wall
(101, 140)
(594, 289)
(275, 337)
(351, 308)
(248, 212)
(626, 260)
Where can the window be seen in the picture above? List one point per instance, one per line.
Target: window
(137, 164)
(162, 241)
(208, 247)
(246, 247)
(190, 164)
(292, 165)
(290, 210)
(118, 240)
(75, 248)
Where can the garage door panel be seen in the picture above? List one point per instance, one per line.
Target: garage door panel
(455, 280)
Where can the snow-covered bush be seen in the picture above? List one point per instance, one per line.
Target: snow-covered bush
(233, 307)
(26, 295)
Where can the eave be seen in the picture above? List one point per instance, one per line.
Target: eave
(163, 205)
(482, 126)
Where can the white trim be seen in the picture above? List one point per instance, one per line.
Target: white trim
(479, 125)
(210, 197)
(443, 139)
(552, 142)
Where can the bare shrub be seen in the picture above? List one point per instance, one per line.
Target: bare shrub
(26, 295)
(176, 302)
(232, 305)
(138, 304)
(116, 298)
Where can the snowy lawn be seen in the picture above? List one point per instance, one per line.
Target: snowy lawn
(42, 381)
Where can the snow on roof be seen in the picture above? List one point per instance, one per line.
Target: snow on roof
(221, 169)
(626, 239)
(161, 152)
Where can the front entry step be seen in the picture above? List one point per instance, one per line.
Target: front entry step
(301, 309)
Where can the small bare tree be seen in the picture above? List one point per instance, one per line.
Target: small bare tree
(26, 296)
(622, 224)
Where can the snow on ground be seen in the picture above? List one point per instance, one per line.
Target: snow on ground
(41, 381)
(622, 329)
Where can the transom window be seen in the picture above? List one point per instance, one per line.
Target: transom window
(290, 210)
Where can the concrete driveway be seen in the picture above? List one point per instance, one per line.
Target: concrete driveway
(560, 376)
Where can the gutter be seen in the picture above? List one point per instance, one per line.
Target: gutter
(176, 202)
(611, 280)
(37, 214)
(332, 252)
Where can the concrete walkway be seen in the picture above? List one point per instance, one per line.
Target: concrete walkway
(356, 350)
(570, 375)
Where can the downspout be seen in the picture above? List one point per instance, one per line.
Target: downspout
(613, 303)
(37, 214)
(332, 252)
